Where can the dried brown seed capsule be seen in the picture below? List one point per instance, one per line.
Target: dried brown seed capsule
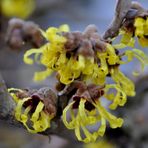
(86, 49)
(89, 30)
(99, 45)
(69, 45)
(46, 95)
(31, 33)
(20, 31)
(95, 91)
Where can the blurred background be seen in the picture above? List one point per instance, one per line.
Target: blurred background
(77, 14)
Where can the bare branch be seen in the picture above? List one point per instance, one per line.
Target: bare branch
(136, 5)
(122, 8)
(7, 105)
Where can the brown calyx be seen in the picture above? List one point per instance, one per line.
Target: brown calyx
(46, 95)
(90, 93)
(84, 43)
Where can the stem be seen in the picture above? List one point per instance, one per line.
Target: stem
(122, 7)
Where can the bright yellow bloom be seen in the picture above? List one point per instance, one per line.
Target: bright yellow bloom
(133, 53)
(118, 99)
(139, 55)
(127, 40)
(126, 84)
(17, 8)
(39, 120)
(141, 31)
(112, 57)
(97, 74)
(84, 118)
(52, 55)
(139, 25)
(107, 59)
(146, 27)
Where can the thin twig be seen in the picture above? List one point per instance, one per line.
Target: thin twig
(121, 10)
(7, 105)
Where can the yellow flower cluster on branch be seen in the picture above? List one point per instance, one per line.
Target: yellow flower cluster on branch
(54, 57)
(138, 29)
(52, 54)
(118, 99)
(17, 8)
(86, 57)
(85, 118)
(141, 30)
(31, 112)
(87, 111)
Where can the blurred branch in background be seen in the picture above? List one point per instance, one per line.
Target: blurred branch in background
(7, 104)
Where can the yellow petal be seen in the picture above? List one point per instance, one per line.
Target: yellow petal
(138, 54)
(15, 98)
(38, 109)
(64, 28)
(126, 84)
(120, 97)
(139, 24)
(114, 122)
(18, 109)
(30, 52)
(112, 57)
(71, 124)
(42, 75)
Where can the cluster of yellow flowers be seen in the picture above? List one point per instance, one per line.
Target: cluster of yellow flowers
(139, 30)
(91, 70)
(33, 117)
(84, 118)
(54, 57)
(17, 8)
(53, 53)
(92, 113)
